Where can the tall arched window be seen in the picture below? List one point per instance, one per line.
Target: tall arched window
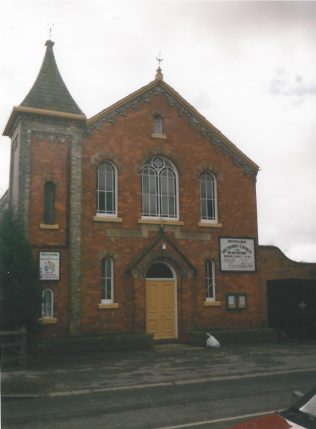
(159, 189)
(49, 203)
(47, 304)
(209, 280)
(106, 189)
(208, 197)
(107, 281)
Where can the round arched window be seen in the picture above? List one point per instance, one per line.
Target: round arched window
(159, 271)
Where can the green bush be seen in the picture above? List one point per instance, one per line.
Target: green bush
(20, 292)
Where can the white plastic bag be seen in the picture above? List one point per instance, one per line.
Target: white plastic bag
(212, 341)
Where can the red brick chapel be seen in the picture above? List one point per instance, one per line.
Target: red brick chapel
(143, 218)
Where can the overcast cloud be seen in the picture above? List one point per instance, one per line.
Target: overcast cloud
(248, 67)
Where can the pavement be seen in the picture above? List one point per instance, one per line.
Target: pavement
(168, 364)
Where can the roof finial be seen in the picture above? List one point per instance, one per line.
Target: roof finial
(49, 43)
(159, 75)
(50, 31)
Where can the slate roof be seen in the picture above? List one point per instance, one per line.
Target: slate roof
(49, 91)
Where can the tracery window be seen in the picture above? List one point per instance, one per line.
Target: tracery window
(159, 189)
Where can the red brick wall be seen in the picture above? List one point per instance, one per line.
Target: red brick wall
(128, 143)
(49, 162)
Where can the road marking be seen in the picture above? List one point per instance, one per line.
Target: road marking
(132, 387)
(226, 419)
(177, 382)
(240, 376)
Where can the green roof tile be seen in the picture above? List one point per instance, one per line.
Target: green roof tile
(49, 90)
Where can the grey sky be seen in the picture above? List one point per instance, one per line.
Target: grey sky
(248, 67)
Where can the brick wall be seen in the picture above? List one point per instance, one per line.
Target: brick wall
(128, 143)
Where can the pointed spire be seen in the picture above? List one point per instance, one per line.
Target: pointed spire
(49, 91)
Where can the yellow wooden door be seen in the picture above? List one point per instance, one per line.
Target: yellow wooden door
(160, 309)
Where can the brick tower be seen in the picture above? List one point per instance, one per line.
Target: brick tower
(45, 173)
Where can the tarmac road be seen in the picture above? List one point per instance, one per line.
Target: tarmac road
(167, 388)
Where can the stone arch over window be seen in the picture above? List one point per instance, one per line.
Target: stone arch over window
(101, 157)
(208, 197)
(163, 152)
(106, 189)
(159, 188)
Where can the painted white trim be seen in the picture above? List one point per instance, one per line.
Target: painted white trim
(175, 171)
(115, 214)
(215, 220)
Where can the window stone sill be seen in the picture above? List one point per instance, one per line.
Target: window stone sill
(107, 219)
(48, 320)
(161, 221)
(105, 306)
(210, 225)
(212, 303)
(159, 136)
(49, 226)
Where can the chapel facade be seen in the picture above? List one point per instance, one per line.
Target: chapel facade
(143, 218)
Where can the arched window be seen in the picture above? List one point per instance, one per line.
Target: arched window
(209, 280)
(208, 197)
(158, 125)
(107, 281)
(47, 303)
(159, 189)
(159, 271)
(49, 203)
(106, 189)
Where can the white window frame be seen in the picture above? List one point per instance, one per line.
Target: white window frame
(114, 190)
(104, 278)
(209, 280)
(212, 184)
(44, 309)
(158, 171)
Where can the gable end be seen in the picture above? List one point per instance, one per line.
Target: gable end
(205, 128)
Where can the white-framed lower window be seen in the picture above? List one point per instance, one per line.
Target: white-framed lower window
(107, 281)
(47, 304)
(209, 280)
(208, 197)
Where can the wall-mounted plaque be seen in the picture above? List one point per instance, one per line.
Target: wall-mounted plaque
(49, 263)
(237, 254)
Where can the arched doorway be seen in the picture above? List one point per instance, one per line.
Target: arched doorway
(161, 309)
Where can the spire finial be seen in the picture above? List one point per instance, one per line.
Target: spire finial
(49, 43)
(50, 31)
(159, 75)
